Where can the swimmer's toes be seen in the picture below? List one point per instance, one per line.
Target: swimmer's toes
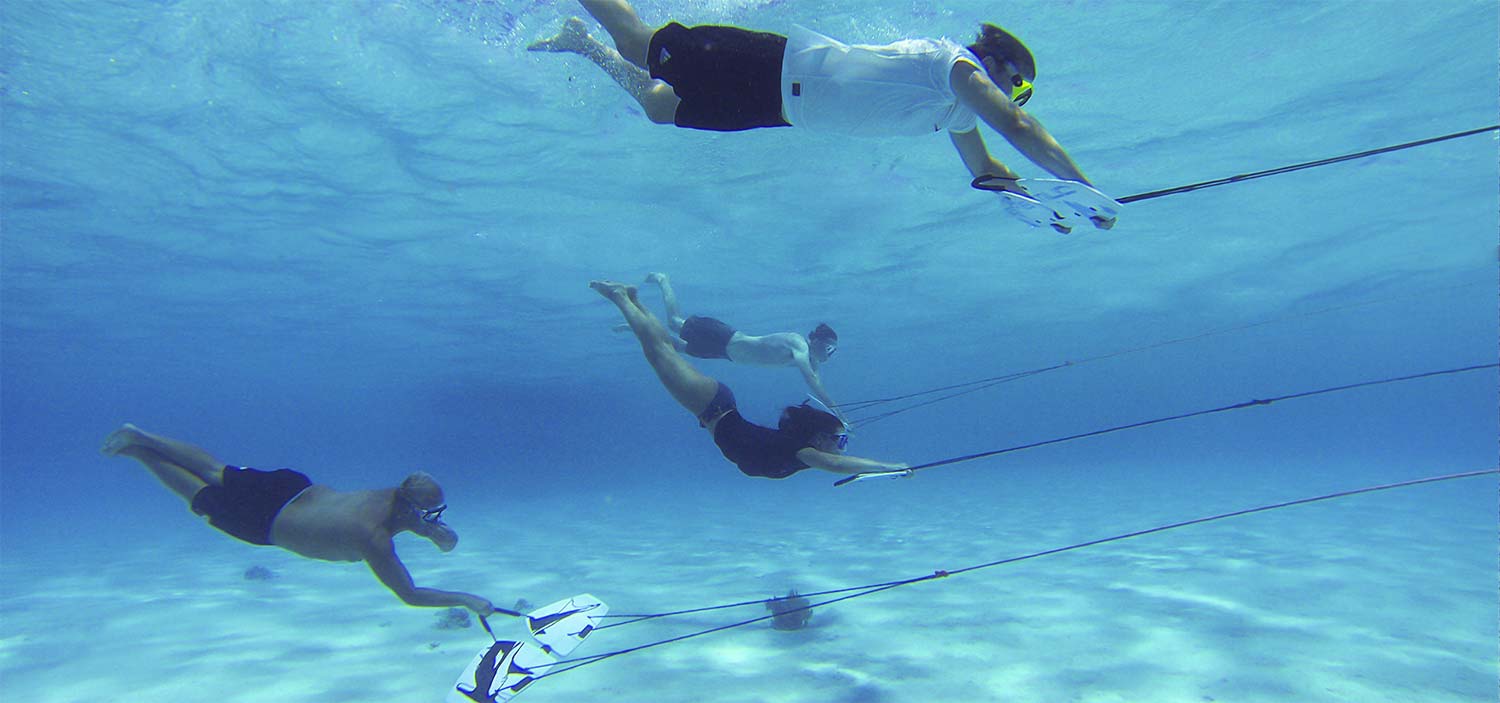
(118, 440)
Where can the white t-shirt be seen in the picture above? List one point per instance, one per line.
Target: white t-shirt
(896, 89)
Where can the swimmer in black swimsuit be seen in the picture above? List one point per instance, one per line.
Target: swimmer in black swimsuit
(284, 508)
(804, 438)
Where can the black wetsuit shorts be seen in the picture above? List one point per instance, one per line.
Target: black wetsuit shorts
(706, 337)
(758, 451)
(248, 501)
(722, 403)
(728, 79)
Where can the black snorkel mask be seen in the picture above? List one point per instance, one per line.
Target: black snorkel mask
(434, 516)
(1016, 86)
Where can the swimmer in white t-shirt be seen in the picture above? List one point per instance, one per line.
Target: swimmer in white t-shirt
(729, 79)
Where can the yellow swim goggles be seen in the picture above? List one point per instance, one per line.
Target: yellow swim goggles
(1020, 89)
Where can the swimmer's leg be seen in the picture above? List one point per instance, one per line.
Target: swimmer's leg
(669, 296)
(632, 36)
(655, 97)
(183, 468)
(691, 388)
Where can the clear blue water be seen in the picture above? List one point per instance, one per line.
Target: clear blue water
(355, 237)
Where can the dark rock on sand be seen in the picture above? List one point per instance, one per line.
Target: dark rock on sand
(454, 619)
(790, 612)
(259, 573)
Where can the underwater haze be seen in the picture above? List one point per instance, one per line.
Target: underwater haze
(354, 238)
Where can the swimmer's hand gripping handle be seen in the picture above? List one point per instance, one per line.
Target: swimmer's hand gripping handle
(898, 473)
(501, 611)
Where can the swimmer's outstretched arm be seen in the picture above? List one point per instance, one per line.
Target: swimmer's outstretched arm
(1023, 131)
(391, 572)
(842, 463)
(815, 383)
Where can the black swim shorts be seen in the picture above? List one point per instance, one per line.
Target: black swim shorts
(729, 79)
(248, 501)
(706, 337)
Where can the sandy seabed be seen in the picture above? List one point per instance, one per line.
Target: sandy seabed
(1379, 598)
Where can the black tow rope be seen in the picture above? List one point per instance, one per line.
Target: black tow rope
(984, 182)
(901, 473)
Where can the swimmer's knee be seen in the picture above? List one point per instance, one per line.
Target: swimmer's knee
(660, 115)
(660, 104)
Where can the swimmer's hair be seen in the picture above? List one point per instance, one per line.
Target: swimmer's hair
(421, 490)
(1004, 46)
(823, 333)
(804, 423)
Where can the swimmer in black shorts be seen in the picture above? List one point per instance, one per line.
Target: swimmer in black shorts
(285, 509)
(804, 438)
(722, 79)
(709, 338)
(726, 79)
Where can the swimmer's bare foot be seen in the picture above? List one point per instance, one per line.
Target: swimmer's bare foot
(574, 38)
(613, 290)
(657, 278)
(124, 438)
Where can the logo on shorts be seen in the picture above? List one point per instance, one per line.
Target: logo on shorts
(664, 56)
